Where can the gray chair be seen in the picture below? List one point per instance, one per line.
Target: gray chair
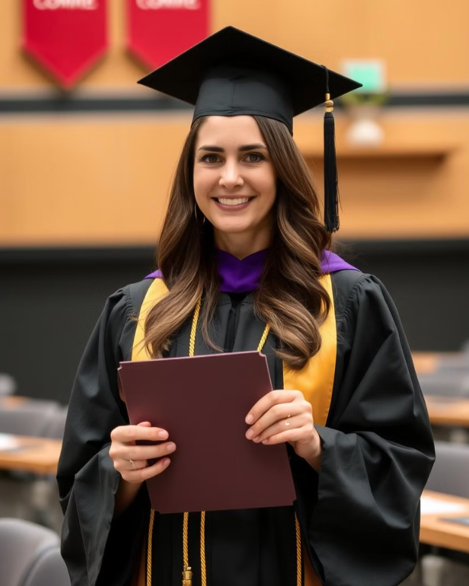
(44, 495)
(31, 418)
(30, 555)
(439, 571)
(24, 494)
(450, 472)
(447, 384)
(459, 363)
(56, 424)
(50, 570)
(7, 385)
(454, 363)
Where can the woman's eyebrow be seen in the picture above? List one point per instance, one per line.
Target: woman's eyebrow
(211, 148)
(251, 147)
(246, 147)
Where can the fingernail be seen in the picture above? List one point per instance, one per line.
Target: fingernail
(170, 447)
(166, 461)
(256, 440)
(162, 434)
(249, 433)
(249, 419)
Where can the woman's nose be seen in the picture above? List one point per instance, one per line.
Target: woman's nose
(230, 175)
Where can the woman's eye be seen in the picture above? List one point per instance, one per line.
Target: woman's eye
(210, 158)
(254, 158)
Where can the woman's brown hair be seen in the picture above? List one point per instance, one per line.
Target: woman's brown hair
(290, 297)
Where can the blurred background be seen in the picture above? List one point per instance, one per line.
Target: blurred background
(85, 172)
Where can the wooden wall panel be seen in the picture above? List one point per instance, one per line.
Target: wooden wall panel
(86, 180)
(94, 180)
(414, 186)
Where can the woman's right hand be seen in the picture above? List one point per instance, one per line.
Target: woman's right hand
(131, 460)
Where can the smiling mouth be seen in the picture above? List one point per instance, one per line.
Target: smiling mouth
(233, 201)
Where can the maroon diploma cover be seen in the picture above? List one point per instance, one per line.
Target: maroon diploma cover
(202, 402)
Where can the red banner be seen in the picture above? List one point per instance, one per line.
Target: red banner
(158, 30)
(66, 37)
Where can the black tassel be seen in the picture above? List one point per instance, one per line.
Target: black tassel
(331, 188)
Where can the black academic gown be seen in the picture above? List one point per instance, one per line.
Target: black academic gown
(359, 516)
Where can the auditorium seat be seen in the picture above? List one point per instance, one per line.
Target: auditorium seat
(30, 555)
(31, 418)
(450, 474)
(24, 494)
(447, 384)
(7, 384)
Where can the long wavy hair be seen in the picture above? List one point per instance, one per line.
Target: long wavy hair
(290, 297)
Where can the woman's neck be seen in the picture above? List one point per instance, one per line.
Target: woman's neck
(242, 245)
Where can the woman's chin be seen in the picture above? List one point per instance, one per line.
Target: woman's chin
(232, 228)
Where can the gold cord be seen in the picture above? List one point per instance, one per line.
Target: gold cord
(187, 573)
(185, 549)
(264, 338)
(195, 320)
(150, 546)
(203, 559)
(299, 559)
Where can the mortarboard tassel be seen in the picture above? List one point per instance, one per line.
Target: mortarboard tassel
(187, 576)
(331, 190)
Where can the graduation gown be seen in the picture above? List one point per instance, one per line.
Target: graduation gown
(359, 515)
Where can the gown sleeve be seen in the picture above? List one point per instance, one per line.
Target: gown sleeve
(97, 548)
(362, 509)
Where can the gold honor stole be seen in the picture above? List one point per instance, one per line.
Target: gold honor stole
(315, 380)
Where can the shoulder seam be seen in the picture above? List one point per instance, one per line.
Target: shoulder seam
(128, 302)
(358, 282)
(132, 310)
(340, 285)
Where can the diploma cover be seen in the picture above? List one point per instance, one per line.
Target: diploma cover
(202, 402)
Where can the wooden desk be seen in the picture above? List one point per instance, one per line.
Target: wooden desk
(428, 362)
(12, 402)
(435, 531)
(448, 410)
(30, 454)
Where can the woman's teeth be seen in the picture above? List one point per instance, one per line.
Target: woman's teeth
(233, 202)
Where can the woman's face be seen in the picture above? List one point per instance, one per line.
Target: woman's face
(235, 180)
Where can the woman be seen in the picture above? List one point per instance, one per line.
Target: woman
(243, 244)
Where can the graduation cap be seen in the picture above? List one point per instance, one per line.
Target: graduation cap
(233, 73)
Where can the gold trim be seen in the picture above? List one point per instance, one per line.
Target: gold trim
(316, 379)
(150, 546)
(155, 293)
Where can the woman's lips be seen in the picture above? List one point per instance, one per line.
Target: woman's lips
(233, 203)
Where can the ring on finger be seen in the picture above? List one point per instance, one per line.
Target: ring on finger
(287, 423)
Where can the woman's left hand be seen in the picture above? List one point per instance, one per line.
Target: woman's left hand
(285, 416)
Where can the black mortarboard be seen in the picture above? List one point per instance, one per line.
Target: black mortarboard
(232, 73)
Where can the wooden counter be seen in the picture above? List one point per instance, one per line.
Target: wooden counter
(428, 362)
(434, 530)
(30, 454)
(448, 410)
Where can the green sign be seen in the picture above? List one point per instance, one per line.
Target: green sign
(369, 72)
